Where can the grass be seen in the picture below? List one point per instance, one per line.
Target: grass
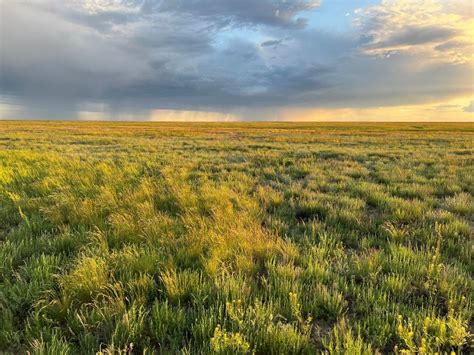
(263, 238)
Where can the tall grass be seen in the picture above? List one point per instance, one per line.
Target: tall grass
(236, 238)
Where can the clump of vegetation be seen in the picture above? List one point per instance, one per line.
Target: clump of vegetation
(236, 238)
(228, 343)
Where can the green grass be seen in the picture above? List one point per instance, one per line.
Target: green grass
(236, 238)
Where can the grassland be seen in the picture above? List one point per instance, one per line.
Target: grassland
(236, 238)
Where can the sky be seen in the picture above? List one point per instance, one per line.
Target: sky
(231, 60)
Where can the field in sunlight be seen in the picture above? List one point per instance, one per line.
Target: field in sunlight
(270, 238)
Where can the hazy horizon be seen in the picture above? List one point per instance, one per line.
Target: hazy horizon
(224, 60)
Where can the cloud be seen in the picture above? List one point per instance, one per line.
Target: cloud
(283, 13)
(140, 55)
(52, 56)
(413, 35)
(272, 43)
(469, 108)
(242, 58)
(418, 27)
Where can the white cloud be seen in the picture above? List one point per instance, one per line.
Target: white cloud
(437, 30)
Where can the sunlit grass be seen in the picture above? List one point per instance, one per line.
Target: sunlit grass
(236, 238)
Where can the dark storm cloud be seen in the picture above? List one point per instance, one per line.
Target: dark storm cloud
(144, 54)
(53, 56)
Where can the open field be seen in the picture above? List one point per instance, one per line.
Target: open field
(236, 238)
